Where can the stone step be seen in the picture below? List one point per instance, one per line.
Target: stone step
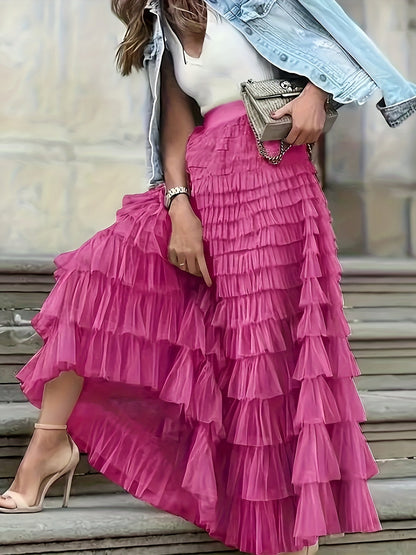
(382, 382)
(369, 286)
(390, 430)
(394, 370)
(26, 265)
(366, 282)
(400, 336)
(392, 407)
(373, 284)
(390, 347)
(385, 368)
(376, 267)
(99, 523)
(119, 523)
(401, 331)
(25, 282)
(19, 340)
(396, 468)
(389, 406)
(380, 361)
(11, 392)
(380, 314)
(361, 298)
(24, 340)
(395, 498)
(396, 538)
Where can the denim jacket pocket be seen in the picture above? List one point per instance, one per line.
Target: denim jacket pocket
(254, 9)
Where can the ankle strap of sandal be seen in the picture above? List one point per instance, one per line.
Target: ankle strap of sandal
(50, 426)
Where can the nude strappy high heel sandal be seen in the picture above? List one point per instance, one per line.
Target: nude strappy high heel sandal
(68, 469)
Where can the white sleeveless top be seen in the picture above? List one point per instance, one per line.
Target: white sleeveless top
(226, 60)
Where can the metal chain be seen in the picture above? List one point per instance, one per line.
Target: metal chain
(283, 149)
(272, 159)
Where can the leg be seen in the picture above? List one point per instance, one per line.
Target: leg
(48, 450)
(59, 398)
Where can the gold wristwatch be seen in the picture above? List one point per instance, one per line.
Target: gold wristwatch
(172, 192)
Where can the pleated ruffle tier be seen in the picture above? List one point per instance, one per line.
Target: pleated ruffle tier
(232, 406)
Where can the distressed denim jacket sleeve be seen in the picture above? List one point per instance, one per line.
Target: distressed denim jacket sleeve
(399, 95)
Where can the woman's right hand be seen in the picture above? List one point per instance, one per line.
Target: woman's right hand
(186, 245)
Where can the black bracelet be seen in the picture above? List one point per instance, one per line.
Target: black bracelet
(172, 197)
(173, 191)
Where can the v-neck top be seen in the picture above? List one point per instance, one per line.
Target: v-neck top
(227, 59)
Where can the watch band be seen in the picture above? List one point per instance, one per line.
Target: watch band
(172, 192)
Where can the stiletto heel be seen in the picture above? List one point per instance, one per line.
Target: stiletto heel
(68, 485)
(68, 469)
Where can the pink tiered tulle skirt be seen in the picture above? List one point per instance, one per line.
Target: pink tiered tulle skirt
(232, 406)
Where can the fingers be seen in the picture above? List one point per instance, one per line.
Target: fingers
(300, 136)
(204, 269)
(182, 264)
(191, 264)
(283, 111)
(172, 256)
(293, 135)
(177, 260)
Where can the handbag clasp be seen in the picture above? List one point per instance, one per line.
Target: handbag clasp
(287, 86)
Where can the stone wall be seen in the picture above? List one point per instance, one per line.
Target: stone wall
(70, 130)
(71, 140)
(371, 168)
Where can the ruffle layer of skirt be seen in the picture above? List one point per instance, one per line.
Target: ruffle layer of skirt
(232, 406)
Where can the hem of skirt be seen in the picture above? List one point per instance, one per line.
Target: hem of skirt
(111, 471)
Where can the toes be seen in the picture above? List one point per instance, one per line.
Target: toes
(7, 503)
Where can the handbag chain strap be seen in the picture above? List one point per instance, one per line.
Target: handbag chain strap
(284, 147)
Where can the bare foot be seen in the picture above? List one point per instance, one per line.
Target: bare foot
(47, 453)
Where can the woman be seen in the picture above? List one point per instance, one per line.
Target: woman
(198, 351)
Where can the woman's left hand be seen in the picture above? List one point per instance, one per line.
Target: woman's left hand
(308, 115)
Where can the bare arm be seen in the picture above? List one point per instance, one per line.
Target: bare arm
(177, 123)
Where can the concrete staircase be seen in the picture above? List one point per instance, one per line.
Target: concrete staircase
(380, 301)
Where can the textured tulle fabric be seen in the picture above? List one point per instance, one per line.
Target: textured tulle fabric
(232, 406)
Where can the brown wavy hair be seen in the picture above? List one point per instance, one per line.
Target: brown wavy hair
(186, 16)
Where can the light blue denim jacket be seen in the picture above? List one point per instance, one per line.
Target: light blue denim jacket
(314, 38)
